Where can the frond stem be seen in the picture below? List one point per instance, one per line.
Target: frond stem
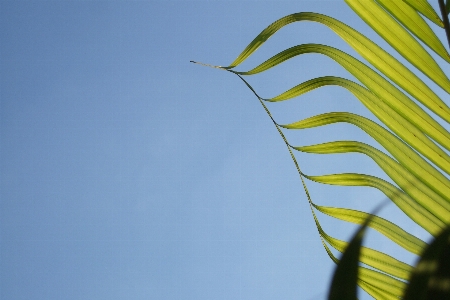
(208, 65)
(289, 146)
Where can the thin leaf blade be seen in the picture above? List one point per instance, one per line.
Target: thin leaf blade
(427, 10)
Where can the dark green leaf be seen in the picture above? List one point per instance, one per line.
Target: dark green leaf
(431, 277)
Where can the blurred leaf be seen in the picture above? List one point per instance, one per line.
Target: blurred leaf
(431, 277)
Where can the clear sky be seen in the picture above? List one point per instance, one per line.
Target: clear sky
(129, 173)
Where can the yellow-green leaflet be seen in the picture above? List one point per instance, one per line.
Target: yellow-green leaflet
(403, 153)
(382, 281)
(415, 188)
(400, 39)
(410, 207)
(425, 9)
(373, 258)
(379, 58)
(388, 229)
(375, 292)
(406, 15)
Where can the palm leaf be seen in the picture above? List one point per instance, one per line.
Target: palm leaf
(414, 160)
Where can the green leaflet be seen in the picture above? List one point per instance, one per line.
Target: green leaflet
(399, 39)
(373, 258)
(406, 15)
(415, 188)
(379, 58)
(389, 285)
(411, 208)
(409, 159)
(388, 229)
(425, 9)
(374, 292)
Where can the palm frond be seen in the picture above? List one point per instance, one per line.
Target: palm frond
(415, 160)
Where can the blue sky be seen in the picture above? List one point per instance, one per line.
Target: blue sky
(130, 173)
